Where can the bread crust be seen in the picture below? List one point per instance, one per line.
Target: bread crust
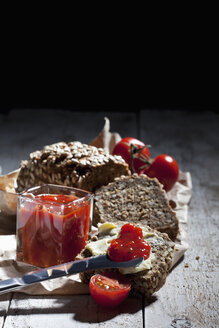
(146, 282)
(73, 164)
(135, 199)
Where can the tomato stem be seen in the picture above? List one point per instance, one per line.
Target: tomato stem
(134, 151)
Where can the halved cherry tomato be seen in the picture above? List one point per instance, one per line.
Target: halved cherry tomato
(165, 169)
(134, 152)
(109, 289)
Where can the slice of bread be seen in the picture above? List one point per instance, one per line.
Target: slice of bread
(135, 199)
(153, 272)
(73, 164)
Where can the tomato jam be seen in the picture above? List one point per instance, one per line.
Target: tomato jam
(52, 228)
(129, 245)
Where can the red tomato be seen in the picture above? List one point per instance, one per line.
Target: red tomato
(133, 151)
(165, 169)
(109, 289)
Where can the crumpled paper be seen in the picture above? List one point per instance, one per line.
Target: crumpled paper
(179, 198)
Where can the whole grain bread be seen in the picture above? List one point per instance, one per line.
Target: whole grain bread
(148, 281)
(73, 164)
(136, 199)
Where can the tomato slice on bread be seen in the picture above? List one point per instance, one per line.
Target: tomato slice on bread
(129, 245)
(109, 289)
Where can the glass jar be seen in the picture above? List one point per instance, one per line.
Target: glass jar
(52, 224)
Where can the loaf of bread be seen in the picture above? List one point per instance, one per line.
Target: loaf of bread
(135, 199)
(73, 164)
(150, 275)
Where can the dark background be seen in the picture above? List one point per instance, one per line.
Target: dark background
(117, 90)
(6, 107)
(103, 86)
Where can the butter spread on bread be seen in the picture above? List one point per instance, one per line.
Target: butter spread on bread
(147, 280)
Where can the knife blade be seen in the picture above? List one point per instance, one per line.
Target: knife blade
(61, 270)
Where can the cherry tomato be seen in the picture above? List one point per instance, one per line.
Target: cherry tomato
(165, 169)
(109, 289)
(133, 151)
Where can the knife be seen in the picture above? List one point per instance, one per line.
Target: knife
(61, 270)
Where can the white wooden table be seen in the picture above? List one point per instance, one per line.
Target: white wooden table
(190, 295)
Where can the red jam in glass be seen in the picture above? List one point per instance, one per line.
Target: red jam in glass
(52, 229)
(129, 245)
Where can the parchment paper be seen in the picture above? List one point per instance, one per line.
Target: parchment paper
(179, 198)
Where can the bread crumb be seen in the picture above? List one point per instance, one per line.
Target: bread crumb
(197, 258)
(186, 265)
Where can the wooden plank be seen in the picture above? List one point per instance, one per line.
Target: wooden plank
(190, 293)
(4, 306)
(67, 311)
(188, 297)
